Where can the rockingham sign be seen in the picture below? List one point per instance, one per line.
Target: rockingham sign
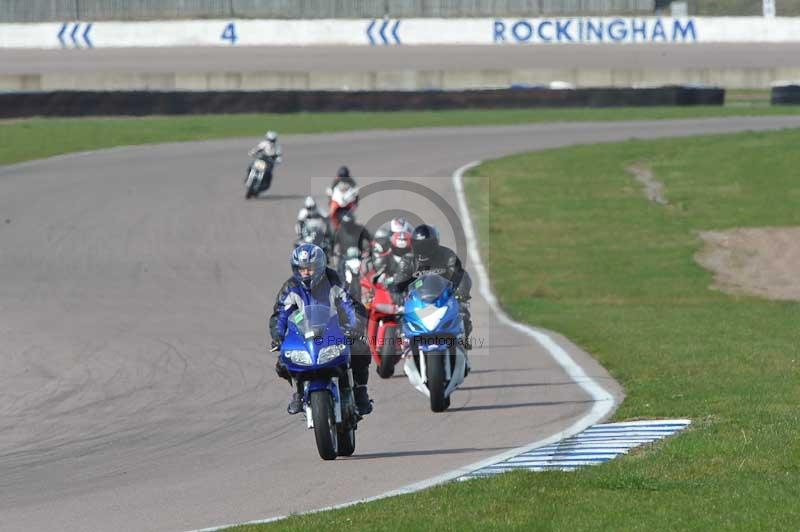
(594, 30)
(400, 32)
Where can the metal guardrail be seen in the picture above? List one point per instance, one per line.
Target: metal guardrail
(97, 10)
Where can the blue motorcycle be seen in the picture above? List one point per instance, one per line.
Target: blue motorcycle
(317, 355)
(435, 331)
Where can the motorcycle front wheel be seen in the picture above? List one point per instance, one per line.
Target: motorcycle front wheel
(324, 424)
(434, 369)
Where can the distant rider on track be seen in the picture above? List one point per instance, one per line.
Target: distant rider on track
(270, 151)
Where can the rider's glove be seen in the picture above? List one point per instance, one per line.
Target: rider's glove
(352, 335)
(275, 345)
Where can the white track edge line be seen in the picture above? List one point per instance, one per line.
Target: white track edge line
(604, 402)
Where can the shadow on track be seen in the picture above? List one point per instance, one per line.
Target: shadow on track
(429, 452)
(276, 197)
(515, 405)
(518, 385)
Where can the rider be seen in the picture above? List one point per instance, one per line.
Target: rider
(350, 234)
(267, 149)
(428, 256)
(310, 211)
(343, 176)
(312, 283)
(351, 240)
(316, 231)
(401, 238)
(396, 244)
(345, 181)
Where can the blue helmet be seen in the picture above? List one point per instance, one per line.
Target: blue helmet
(312, 257)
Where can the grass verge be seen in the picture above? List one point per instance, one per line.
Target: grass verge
(577, 248)
(22, 140)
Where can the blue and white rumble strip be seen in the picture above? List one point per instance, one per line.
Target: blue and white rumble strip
(596, 445)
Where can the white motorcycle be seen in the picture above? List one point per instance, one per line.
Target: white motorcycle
(259, 177)
(436, 363)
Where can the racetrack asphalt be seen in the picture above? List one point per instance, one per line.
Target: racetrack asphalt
(402, 58)
(136, 392)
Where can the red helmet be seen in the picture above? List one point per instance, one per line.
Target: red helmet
(401, 242)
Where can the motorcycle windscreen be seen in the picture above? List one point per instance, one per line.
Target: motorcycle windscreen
(429, 287)
(312, 321)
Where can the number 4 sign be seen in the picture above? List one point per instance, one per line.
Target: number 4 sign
(229, 33)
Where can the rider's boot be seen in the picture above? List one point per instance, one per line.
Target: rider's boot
(296, 404)
(360, 378)
(363, 402)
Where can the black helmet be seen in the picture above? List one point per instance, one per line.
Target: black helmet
(425, 241)
(343, 172)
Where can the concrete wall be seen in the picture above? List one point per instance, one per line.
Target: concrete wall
(731, 78)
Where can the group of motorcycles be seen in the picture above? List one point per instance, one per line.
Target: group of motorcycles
(421, 328)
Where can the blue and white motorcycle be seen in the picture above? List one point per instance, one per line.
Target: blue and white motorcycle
(317, 354)
(436, 362)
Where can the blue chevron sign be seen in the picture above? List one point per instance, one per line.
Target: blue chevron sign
(383, 24)
(77, 38)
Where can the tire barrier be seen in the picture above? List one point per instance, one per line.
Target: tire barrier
(143, 103)
(785, 95)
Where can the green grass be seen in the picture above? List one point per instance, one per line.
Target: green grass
(22, 140)
(574, 246)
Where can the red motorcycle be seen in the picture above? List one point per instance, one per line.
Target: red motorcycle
(344, 198)
(383, 326)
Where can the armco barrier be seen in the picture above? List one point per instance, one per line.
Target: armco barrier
(134, 103)
(785, 94)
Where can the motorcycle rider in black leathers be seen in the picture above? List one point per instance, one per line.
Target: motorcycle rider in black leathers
(428, 256)
(350, 241)
(350, 234)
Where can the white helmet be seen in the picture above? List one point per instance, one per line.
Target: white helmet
(271, 136)
(310, 203)
(400, 225)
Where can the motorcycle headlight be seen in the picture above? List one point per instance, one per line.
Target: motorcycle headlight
(326, 354)
(431, 316)
(301, 358)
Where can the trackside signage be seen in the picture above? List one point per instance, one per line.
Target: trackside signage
(400, 32)
(595, 30)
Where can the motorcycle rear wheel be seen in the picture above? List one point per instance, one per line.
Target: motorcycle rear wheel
(388, 354)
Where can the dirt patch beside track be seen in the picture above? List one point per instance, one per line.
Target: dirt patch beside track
(754, 261)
